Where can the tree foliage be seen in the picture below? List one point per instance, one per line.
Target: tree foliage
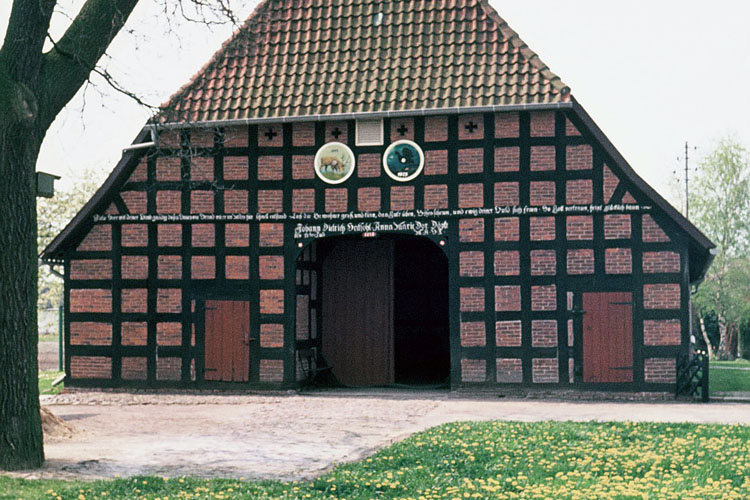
(720, 202)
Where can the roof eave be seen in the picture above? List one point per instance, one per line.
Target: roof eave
(51, 252)
(365, 115)
(696, 236)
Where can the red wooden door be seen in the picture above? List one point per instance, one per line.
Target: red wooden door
(228, 341)
(608, 337)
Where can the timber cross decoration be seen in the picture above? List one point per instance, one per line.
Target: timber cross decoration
(479, 238)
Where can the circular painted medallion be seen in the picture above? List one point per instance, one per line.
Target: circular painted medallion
(403, 160)
(334, 163)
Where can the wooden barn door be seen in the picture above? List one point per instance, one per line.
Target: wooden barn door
(608, 337)
(357, 314)
(227, 340)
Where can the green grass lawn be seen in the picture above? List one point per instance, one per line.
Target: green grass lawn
(45, 382)
(49, 337)
(730, 379)
(490, 460)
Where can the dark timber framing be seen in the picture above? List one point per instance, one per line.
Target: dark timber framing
(276, 364)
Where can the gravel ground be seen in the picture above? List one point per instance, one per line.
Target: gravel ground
(291, 436)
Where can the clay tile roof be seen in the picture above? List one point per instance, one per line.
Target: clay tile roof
(296, 58)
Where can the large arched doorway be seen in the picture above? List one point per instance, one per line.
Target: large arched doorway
(383, 310)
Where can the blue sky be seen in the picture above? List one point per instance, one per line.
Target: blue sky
(652, 74)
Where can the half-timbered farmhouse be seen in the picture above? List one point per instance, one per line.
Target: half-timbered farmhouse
(379, 192)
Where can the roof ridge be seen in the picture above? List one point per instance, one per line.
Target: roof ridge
(515, 39)
(283, 39)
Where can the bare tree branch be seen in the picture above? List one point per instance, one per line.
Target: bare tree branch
(106, 75)
(88, 37)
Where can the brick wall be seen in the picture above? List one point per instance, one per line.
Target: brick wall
(661, 262)
(134, 333)
(134, 300)
(471, 299)
(90, 333)
(542, 228)
(508, 333)
(201, 168)
(618, 261)
(473, 334)
(652, 232)
(169, 235)
(507, 298)
(368, 199)
(544, 333)
(402, 197)
(543, 298)
(271, 267)
(134, 235)
(271, 370)
(544, 370)
(542, 158)
(543, 262)
(470, 161)
(661, 296)
(97, 367)
(91, 269)
(237, 267)
(471, 264)
(272, 335)
(509, 370)
(580, 227)
(524, 258)
(506, 125)
(662, 332)
(473, 370)
(660, 370)
(616, 227)
(272, 301)
(507, 159)
(90, 301)
(134, 267)
(471, 230)
(507, 263)
(506, 229)
(581, 261)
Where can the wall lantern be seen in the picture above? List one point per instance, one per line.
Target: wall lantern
(45, 184)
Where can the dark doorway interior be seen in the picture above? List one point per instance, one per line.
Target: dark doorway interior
(385, 310)
(420, 312)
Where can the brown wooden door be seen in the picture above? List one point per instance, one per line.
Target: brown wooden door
(227, 340)
(608, 337)
(357, 321)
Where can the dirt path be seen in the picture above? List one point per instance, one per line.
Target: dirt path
(290, 436)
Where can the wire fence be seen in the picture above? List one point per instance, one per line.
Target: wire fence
(48, 321)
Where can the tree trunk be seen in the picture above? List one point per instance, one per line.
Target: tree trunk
(732, 341)
(723, 345)
(709, 347)
(34, 87)
(20, 422)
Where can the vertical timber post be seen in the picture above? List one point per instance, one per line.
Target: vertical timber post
(60, 338)
(704, 380)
